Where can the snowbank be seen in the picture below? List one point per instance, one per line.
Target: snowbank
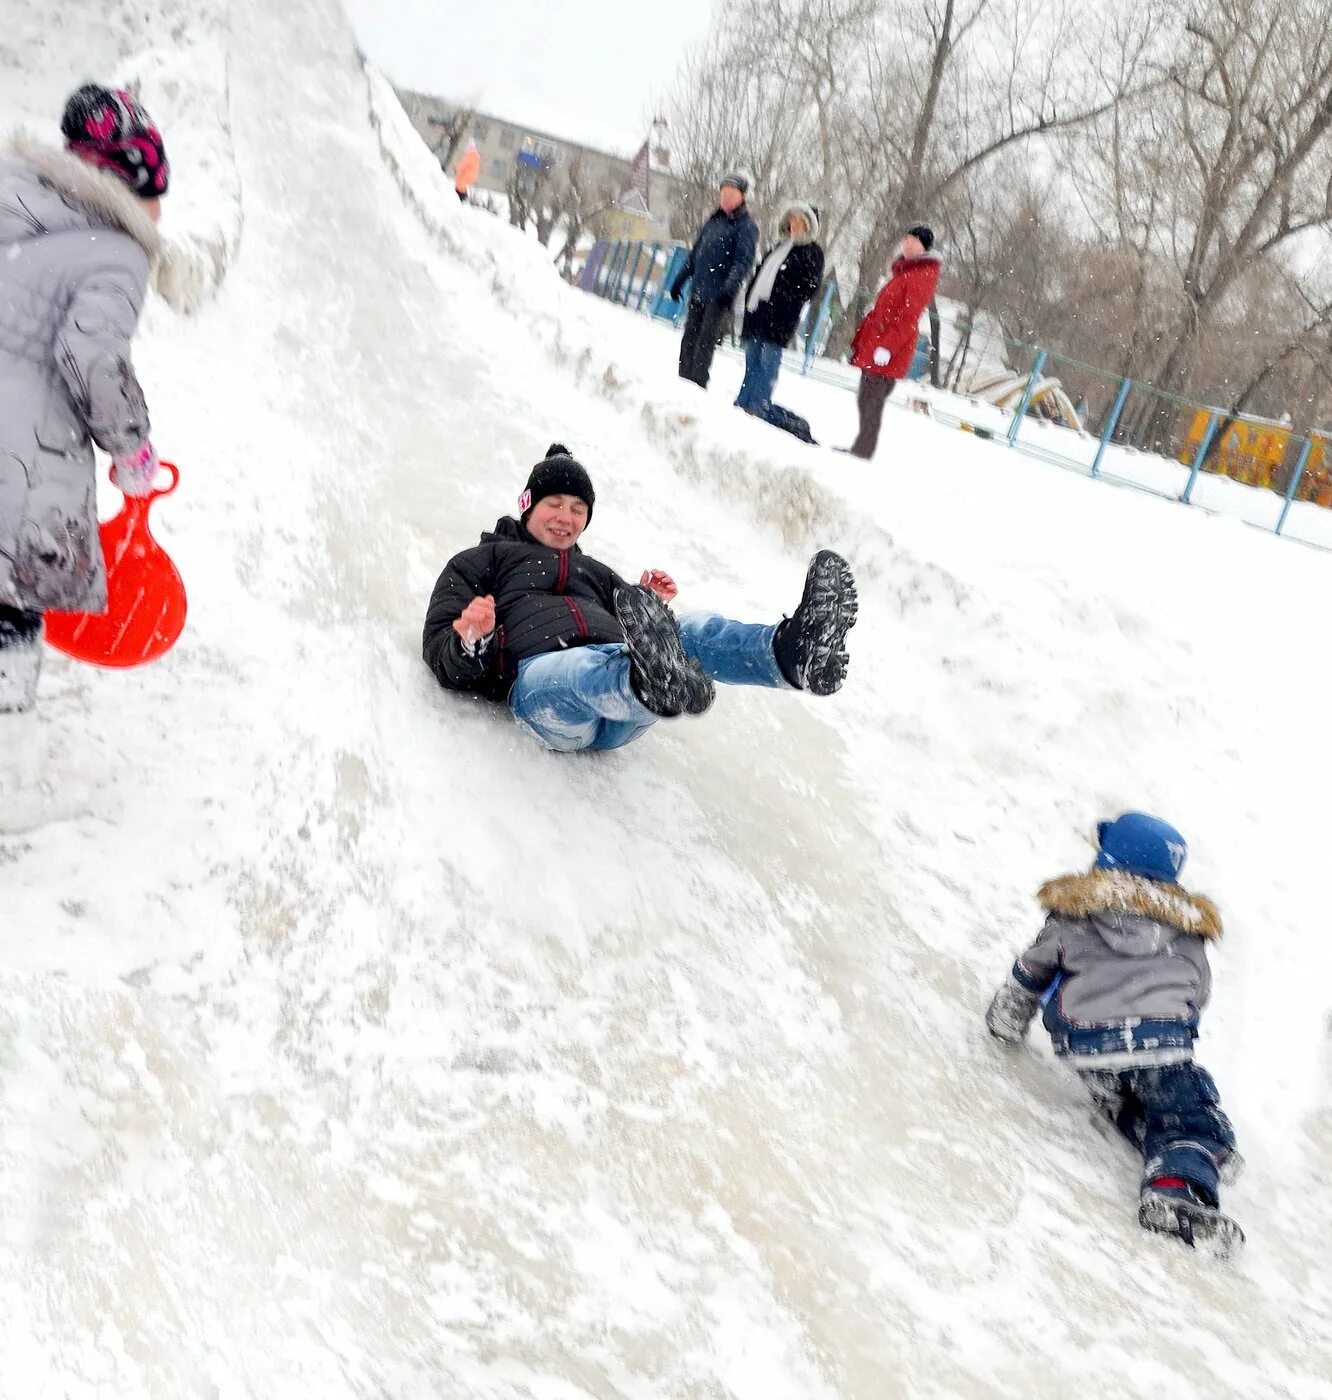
(185, 88)
(179, 68)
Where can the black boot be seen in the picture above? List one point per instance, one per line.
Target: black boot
(810, 646)
(664, 677)
(1184, 1211)
(20, 658)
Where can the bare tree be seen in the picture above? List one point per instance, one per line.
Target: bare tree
(979, 78)
(769, 91)
(443, 125)
(1243, 133)
(521, 190)
(575, 200)
(453, 129)
(1117, 180)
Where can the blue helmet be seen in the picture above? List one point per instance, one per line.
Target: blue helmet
(1142, 845)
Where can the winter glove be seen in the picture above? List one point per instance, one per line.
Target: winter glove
(135, 474)
(1010, 1013)
(676, 289)
(881, 357)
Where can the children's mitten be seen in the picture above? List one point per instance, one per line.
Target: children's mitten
(1011, 1011)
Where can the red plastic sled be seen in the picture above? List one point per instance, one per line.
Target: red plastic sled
(145, 595)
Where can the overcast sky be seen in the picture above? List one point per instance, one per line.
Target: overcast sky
(588, 70)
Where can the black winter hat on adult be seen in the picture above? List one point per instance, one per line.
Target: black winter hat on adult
(557, 474)
(738, 179)
(923, 232)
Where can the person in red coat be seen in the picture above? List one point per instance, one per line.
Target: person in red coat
(885, 342)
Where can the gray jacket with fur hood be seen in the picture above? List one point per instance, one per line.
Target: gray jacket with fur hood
(1123, 960)
(76, 245)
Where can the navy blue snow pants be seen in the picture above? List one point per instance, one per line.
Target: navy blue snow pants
(1172, 1114)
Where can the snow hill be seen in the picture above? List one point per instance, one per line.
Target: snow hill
(350, 1046)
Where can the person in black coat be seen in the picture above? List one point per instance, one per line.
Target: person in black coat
(717, 266)
(585, 659)
(785, 280)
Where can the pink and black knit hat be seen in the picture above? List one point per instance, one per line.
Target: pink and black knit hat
(109, 128)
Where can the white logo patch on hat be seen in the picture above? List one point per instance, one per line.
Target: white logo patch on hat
(524, 502)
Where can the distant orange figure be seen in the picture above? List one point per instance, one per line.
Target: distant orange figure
(466, 171)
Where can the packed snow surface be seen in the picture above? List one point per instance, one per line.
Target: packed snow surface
(352, 1046)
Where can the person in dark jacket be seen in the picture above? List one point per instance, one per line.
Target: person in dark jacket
(717, 266)
(1121, 966)
(584, 659)
(786, 279)
(885, 341)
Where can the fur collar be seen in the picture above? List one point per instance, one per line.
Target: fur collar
(98, 193)
(811, 221)
(1118, 892)
(903, 264)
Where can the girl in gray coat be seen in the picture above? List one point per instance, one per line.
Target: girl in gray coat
(1121, 967)
(77, 241)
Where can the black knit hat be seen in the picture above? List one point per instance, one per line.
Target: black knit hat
(110, 128)
(738, 178)
(557, 474)
(923, 232)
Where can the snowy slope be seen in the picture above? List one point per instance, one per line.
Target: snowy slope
(351, 1046)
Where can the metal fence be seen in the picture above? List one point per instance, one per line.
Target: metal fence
(1055, 407)
(1140, 436)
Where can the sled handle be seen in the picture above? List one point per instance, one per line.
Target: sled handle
(157, 490)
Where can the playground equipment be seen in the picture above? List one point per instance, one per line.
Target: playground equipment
(1047, 398)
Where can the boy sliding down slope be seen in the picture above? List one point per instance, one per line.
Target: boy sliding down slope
(1122, 968)
(588, 661)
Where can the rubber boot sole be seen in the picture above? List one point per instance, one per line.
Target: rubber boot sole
(827, 612)
(665, 677)
(1199, 1226)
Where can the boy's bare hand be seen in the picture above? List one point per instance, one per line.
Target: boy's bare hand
(477, 621)
(662, 584)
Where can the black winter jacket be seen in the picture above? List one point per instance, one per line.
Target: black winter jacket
(721, 258)
(545, 599)
(776, 319)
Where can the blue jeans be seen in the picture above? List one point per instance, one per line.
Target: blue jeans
(763, 363)
(580, 698)
(1172, 1114)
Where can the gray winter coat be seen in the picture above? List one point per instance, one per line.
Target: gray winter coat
(76, 245)
(1127, 960)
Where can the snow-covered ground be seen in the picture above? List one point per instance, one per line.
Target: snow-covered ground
(821, 396)
(352, 1046)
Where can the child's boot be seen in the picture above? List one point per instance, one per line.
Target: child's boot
(1169, 1205)
(20, 659)
(664, 677)
(810, 646)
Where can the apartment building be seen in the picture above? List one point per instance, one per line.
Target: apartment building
(641, 194)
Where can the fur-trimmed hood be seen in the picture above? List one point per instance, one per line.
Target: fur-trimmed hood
(901, 264)
(1116, 901)
(806, 212)
(99, 194)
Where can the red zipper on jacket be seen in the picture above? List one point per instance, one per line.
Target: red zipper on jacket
(560, 582)
(577, 616)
